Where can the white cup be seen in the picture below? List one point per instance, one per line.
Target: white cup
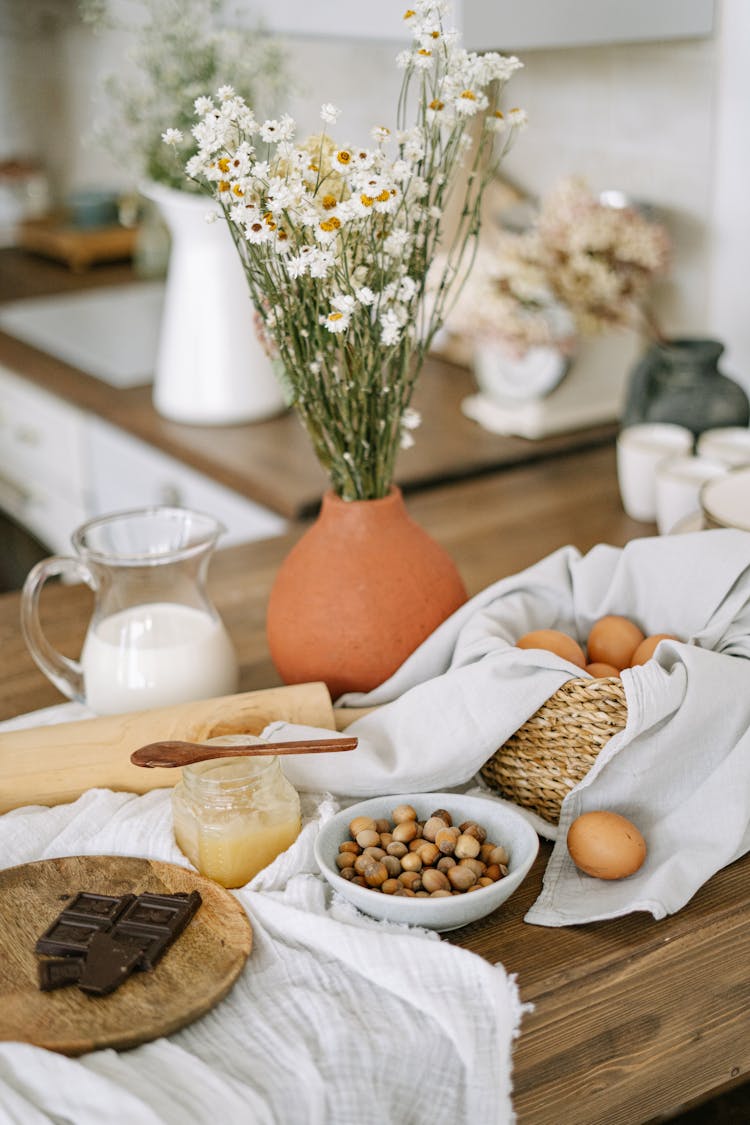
(678, 484)
(640, 449)
(730, 445)
(726, 502)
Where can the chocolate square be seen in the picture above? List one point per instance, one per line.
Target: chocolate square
(108, 963)
(59, 974)
(94, 907)
(69, 939)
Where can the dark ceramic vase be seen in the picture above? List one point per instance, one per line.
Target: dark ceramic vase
(679, 381)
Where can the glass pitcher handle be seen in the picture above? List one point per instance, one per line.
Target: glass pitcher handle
(65, 674)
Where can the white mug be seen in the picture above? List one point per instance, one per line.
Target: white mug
(678, 484)
(729, 444)
(640, 448)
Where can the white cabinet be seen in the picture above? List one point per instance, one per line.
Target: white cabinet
(42, 464)
(60, 466)
(125, 472)
(502, 25)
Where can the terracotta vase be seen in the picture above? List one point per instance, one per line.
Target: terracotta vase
(363, 587)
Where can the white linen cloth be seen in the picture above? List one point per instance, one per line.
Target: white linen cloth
(680, 769)
(335, 1018)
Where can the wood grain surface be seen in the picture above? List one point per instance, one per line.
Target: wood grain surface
(49, 765)
(195, 973)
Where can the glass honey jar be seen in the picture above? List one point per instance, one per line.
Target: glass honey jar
(234, 816)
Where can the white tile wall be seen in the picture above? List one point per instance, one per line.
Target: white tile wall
(640, 117)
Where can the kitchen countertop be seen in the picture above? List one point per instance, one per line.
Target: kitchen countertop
(633, 1019)
(270, 462)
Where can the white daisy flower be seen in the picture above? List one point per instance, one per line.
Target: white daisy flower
(329, 113)
(172, 137)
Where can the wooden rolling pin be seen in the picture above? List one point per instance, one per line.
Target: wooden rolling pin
(51, 765)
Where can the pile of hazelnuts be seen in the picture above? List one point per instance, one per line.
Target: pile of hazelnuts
(420, 859)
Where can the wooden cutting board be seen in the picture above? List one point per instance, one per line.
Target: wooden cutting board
(194, 974)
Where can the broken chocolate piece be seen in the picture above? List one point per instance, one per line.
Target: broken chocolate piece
(59, 974)
(108, 963)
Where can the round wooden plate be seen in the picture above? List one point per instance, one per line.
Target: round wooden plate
(195, 973)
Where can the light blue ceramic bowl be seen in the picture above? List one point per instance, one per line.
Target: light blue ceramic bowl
(503, 825)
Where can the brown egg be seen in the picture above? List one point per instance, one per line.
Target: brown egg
(605, 845)
(613, 640)
(552, 640)
(599, 671)
(646, 648)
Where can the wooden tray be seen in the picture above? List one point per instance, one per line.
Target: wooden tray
(77, 247)
(193, 975)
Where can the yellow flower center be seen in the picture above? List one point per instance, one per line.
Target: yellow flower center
(435, 34)
(469, 95)
(330, 224)
(282, 236)
(313, 167)
(499, 114)
(409, 14)
(224, 164)
(436, 104)
(343, 157)
(223, 185)
(423, 51)
(329, 202)
(366, 200)
(335, 316)
(384, 196)
(237, 190)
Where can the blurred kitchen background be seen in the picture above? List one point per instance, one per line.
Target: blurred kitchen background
(648, 99)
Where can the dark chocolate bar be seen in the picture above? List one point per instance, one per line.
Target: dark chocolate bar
(106, 937)
(60, 973)
(85, 915)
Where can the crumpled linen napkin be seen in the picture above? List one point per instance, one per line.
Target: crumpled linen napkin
(681, 767)
(335, 1018)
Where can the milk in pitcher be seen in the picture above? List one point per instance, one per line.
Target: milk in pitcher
(155, 655)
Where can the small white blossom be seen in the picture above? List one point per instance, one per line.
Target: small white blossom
(225, 92)
(364, 295)
(172, 137)
(329, 113)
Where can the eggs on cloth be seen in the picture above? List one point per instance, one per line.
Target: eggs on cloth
(613, 643)
(606, 845)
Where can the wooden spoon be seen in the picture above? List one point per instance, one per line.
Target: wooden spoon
(175, 753)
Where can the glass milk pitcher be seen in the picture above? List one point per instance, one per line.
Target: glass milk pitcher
(154, 638)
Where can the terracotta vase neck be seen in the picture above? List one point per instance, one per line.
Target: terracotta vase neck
(383, 508)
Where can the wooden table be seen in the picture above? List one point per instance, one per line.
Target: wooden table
(633, 1019)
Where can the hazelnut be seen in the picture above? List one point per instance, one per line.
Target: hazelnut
(422, 894)
(376, 874)
(349, 846)
(361, 824)
(483, 881)
(474, 887)
(347, 873)
(440, 894)
(404, 892)
(361, 862)
(344, 859)
(499, 855)
(402, 813)
(474, 865)
(433, 826)
(397, 848)
(493, 872)
(390, 886)
(405, 831)
(368, 838)
(359, 880)
(467, 847)
(446, 839)
(443, 815)
(461, 878)
(417, 844)
(427, 852)
(411, 862)
(434, 880)
(392, 865)
(411, 879)
(386, 838)
(382, 825)
(469, 828)
(445, 863)
(376, 853)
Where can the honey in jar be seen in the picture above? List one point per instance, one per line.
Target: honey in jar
(233, 816)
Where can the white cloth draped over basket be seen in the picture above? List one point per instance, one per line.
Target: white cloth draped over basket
(680, 769)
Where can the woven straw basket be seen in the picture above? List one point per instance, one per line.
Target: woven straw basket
(555, 749)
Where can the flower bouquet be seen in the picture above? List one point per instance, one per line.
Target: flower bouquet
(336, 241)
